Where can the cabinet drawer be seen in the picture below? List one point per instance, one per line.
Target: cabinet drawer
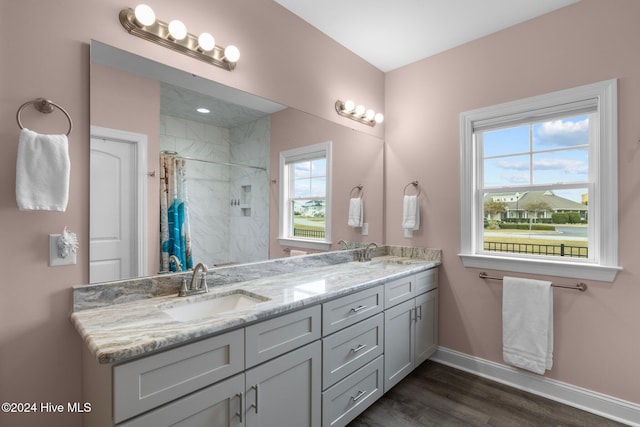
(350, 309)
(149, 382)
(426, 280)
(271, 338)
(210, 406)
(399, 290)
(351, 396)
(351, 348)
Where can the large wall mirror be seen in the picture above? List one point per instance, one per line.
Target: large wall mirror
(144, 117)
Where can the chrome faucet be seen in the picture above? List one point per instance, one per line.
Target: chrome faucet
(367, 253)
(343, 244)
(198, 282)
(176, 261)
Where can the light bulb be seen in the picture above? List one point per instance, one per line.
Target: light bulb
(203, 110)
(177, 30)
(206, 42)
(360, 110)
(370, 114)
(379, 118)
(144, 15)
(349, 106)
(231, 53)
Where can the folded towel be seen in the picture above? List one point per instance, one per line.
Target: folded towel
(356, 212)
(410, 215)
(527, 324)
(297, 252)
(42, 172)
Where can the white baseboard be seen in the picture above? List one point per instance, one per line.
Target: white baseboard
(587, 400)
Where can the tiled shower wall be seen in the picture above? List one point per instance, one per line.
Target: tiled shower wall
(221, 231)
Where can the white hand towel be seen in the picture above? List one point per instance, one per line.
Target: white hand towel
(42, 172)
(527, 324)
(356, 212)
(410, 215)
(297, 252)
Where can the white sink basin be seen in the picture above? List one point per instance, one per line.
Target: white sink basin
(214, 305)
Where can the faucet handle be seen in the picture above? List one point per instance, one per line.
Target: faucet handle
(203, 282)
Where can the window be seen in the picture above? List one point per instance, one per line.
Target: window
(539, 184)
(305, 203)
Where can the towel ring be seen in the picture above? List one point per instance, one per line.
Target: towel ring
(358, 188)
(415, 185)
(44, 106)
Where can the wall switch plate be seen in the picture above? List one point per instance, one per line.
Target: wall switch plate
(54, 259)
(365, 229)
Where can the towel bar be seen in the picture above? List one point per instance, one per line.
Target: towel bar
(44, 106)
(579, 287)
(359, 190)
(415, 185)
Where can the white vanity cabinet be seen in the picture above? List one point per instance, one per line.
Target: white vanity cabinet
(219, 405)
(283, 384)
(410, 324)
(352, 355)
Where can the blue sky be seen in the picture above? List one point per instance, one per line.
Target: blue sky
(310, 179)
(544, 153)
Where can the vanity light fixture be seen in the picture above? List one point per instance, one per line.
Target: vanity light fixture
(142, 22)
(358, 113)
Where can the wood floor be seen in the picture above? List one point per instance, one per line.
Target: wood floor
(438, 395)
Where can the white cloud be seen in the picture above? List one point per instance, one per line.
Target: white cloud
(563, 133)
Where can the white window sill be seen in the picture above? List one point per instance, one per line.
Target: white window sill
(576, 270)
(305, 244)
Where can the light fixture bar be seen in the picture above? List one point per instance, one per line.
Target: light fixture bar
(353, 112)
(158, 33)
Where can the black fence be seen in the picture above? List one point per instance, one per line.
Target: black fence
(538, 249)
(314, 234)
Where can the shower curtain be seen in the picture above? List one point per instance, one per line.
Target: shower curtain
(175, 234)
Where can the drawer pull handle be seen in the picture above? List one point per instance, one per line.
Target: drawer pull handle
(358, 308)
(255, 405)
(239, 413)
(358, 396)
(358, 348)
(419, 316)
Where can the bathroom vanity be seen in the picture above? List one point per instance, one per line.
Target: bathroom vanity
(309, 342)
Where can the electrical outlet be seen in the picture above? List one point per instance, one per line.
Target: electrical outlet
(56, 260)
(365, 229)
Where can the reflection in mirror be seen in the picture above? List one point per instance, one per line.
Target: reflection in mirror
(149, 107)
(224, 151)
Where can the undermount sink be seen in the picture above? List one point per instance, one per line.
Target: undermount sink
(189, 311)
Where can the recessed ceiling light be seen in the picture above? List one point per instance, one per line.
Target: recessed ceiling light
(203, 110)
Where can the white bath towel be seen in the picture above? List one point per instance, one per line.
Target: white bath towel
(527, 324)
(356, 212)
(42, 172)
(410, 215)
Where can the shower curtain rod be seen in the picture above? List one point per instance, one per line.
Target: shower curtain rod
(175, 154)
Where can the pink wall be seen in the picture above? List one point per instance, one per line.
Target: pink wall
(282, 59)
(596, 333)
(357, 158)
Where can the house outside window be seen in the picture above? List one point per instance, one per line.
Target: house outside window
(305, 203)
(539, 184)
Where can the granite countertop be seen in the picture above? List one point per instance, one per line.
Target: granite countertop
(117, 332)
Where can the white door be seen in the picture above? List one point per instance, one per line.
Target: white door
(113, 218)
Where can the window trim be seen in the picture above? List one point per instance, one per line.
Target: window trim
(605, 166)
(295, 241)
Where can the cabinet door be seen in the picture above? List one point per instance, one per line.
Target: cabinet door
(218, 405)
(399, 345)
(285, 392)
(426, 326)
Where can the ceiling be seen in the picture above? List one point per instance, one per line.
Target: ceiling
(390, 34)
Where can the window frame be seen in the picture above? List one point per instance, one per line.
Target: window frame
(603, 164)
(284, 211)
